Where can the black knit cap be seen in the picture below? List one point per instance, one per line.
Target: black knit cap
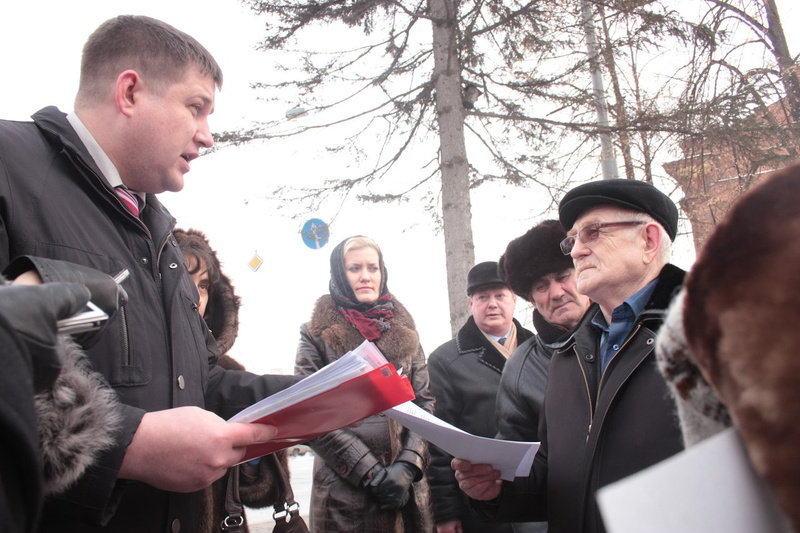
(628, 194)
(532, 256)
(484, 275)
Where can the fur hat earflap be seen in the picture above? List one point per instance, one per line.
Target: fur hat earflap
(78, 419)
(534, 255)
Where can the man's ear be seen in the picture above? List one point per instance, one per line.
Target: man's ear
(127, 91)
(652, 241)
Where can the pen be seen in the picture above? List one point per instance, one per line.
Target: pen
(122, 276)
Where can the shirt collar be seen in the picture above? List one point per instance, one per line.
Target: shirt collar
(107, 168)
(634, 305)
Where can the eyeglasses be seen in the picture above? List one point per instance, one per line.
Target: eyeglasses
(591, 233)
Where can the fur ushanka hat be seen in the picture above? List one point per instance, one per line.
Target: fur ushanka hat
(731, 337)
(534, 255)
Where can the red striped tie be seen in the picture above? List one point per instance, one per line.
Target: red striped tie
(128, 198)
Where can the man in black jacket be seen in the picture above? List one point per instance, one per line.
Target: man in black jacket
(607, 413)
(537, 270)
(140, 118)
(464, 376)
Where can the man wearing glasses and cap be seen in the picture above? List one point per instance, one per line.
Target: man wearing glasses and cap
(607, 412)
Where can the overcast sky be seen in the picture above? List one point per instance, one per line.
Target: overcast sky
(225, 195)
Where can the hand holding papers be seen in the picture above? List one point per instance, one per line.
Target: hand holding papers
(358, 385)
(511, 458)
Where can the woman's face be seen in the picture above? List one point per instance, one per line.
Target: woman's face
(362, 266)
(200, 279)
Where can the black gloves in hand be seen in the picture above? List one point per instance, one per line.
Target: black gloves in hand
(106, 293)
(33, 310)
(391, 485)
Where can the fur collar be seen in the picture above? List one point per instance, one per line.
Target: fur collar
(77, 420)
(399, 344)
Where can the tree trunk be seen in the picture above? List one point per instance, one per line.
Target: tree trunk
(786, 66)
(456, 207)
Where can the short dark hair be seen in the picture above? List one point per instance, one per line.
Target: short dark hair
(159, 52)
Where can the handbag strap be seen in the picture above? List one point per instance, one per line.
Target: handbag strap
(234, 522)
(287, 510)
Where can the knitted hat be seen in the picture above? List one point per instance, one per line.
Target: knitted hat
(628, 194)
(484, 275)
(532, 256)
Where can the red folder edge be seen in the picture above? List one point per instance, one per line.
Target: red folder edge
(344, 405)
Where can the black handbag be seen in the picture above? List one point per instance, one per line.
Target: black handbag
(286, 509)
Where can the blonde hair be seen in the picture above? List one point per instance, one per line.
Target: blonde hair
(358, 242)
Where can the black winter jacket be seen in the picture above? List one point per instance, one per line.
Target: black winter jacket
(465, 374)
(156, 353)
(596, 429)
(522, 385)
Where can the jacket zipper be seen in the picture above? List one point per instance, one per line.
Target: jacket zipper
(126, 348)
(624, 344)
(588, 390)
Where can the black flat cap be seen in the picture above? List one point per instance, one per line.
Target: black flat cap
(484, 275)
(628, 194)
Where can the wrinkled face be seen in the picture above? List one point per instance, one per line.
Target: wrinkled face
(557, 299)
(200, 279)
(611, 267)
(493, 309)
(363, 269)
(166, 131)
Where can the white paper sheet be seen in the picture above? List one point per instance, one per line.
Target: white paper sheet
(709, 488)
(511, 458)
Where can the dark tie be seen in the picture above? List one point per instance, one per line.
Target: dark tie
(130, 200)
(502, 340)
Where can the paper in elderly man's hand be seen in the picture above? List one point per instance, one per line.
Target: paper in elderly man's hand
(511, 458)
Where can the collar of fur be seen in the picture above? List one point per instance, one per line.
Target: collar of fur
(77, 420)
(399, 344)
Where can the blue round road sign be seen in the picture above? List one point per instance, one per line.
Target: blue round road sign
(315, 233)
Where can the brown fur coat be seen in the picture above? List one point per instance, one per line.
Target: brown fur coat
(729, 349)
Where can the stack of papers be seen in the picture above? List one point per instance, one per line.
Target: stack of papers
(358, 385)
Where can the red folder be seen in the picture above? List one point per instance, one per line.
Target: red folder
(349, 402)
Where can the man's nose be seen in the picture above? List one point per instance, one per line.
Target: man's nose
(203, 136)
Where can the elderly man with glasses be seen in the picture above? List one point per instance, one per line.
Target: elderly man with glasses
(607, 413)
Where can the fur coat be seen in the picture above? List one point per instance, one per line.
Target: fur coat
(257, 484)
(53, 436)
(729, 347)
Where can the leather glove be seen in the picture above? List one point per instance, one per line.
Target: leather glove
(33, 310)
(106, 293)
(392, 484)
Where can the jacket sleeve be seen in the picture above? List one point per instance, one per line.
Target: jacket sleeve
(341, 449)
(415, 448)
(516, 418)
(445, 494)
